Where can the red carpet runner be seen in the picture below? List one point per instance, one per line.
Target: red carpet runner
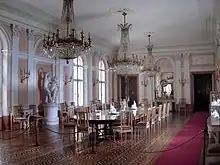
(188, 154)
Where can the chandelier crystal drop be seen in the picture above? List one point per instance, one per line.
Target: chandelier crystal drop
(123, 62)
(65, 44)
(150, 68)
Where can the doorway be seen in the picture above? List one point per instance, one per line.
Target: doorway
(130, 89)
(202, 88)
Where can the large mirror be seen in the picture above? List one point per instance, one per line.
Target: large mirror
(164, 86)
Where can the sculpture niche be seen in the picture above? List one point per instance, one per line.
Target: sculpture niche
(50, 91)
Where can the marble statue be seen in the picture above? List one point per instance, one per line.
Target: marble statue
(134, 106)
(112, 109)
(159, 91)
(124, 104)
(50, 89)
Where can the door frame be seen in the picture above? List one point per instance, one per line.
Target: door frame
(192, 83)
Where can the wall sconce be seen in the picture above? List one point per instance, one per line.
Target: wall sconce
(23, 75)
(95, 82)
(182, 81)
(69, 79)
(144, 83)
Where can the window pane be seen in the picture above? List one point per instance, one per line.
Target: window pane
(75, 61)
(100, 91)
(101, 75)
(101, 65)
(80, 92)
(75, 92)
(80, 62)
(80, 73)
(75, 72)
(103, 92)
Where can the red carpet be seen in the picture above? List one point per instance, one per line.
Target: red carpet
(188, 154)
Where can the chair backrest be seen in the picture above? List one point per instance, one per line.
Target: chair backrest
(70, 110)
(34, 108)
(182, 102)
(160, 112)
(164, 110)
(149, 112)
(16, 110)
(126, 118)
(82, 117)
(168, 108)
(62, 106)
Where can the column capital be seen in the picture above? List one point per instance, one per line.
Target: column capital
(15, 29)
(178, 57)
(30, 35)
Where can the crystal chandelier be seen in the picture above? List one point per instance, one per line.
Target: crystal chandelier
(150, 68)
(64, 44)
(122, 63)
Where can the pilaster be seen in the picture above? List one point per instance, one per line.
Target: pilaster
(89, 79)
(141, 88)
(109, 87)
(178, 70)
(85, 85)
(31, 81)
(115, 86)
(14, 64)
(60, 76)
(187, 77)
(5, 111)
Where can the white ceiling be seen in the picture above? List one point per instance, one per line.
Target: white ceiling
(175, 22)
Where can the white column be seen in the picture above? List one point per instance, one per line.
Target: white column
(217, 58)
(115, 87)
(31, 81)
(59, 66)
(89, 79)
(1, 71)
(110, 85)
(85, 85)
(5, 83)
(97, 85)
(141, 88)
(177, 87)
(107, 87)
(14, 66)
(187, 77)
(70, 84)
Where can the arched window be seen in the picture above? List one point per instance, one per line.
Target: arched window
(78, 81)
(102, 89)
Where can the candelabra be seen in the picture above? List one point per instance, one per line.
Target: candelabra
(23, 75)
(144, 83)
(182, 81)
(69, 79)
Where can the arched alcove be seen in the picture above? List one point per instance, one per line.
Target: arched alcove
(39, 47)
(166, 64)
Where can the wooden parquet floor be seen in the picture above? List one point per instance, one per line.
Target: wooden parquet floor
(58, 149)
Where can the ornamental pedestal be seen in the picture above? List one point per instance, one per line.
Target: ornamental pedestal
(51, 114)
